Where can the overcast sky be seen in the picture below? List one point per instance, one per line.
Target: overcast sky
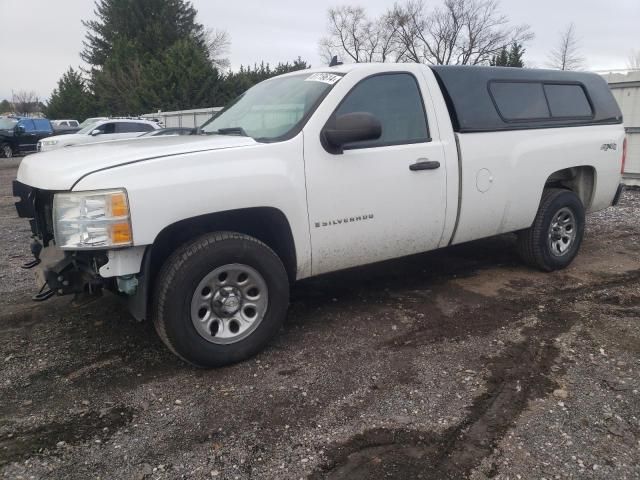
(40, 39)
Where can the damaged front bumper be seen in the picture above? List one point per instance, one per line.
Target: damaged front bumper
(64, 273)
(72, 272)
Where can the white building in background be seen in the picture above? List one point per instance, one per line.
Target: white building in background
(626, 89)
(184, 118)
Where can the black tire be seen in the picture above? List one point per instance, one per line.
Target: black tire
(534, 243)
(6, 151)
(186, 268)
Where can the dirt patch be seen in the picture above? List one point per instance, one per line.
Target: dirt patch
(100, 426)
(519, 374)
(441, 365)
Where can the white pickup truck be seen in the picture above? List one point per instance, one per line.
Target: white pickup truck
(317, 171)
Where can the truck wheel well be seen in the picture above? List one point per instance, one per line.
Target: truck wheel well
(580, 180)
(269, 225)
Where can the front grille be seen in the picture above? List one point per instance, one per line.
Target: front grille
(37, 206)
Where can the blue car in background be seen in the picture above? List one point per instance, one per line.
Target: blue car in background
(20, 135)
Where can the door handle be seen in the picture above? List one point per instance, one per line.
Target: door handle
(424, 165)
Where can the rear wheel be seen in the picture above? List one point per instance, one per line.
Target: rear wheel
(220, 299)
(554, 239)
(6, 150)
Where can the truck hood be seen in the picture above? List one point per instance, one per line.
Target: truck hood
(60, 169)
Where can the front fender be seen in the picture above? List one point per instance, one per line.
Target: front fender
(166, 190)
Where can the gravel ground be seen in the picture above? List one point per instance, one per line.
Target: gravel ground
(457, 363)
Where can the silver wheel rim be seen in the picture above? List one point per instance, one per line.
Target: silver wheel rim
(229, 303)
(7, 152)
(562, 232)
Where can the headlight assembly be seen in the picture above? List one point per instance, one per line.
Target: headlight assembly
(49, 142)
(92, 220)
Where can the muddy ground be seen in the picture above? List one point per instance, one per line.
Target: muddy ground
(458, 363)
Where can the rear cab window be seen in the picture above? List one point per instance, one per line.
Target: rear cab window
(567, 101)
(530, 101)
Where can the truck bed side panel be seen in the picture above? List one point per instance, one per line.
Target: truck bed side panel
(504, 173)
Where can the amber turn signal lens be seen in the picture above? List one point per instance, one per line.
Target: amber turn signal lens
(119, 207)
(120, 233)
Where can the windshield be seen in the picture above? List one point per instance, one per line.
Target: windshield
(273, 108)
(89, 128)
(7, 123)
(89, 121)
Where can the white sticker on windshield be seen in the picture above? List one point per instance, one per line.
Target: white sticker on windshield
(329, 78)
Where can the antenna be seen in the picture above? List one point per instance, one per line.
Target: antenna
(334, 61)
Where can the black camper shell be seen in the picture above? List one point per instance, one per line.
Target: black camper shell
(487, 99)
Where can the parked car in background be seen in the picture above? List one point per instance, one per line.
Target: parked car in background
(61, 127)
(170, 132)
(111, 129)
(65, 123)
(21, 135)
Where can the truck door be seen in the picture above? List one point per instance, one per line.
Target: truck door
(383, 198)
(43, 129)
(26, 135)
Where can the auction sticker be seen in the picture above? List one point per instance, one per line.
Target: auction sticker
(329, 78)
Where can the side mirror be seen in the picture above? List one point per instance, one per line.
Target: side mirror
(20, 129)
(95, 132)
(349, 128)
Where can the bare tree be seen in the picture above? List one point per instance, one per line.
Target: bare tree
(25, 102)
(461, 32)
(218, 44)
(355, 37)
(633, 62)
(566, 55)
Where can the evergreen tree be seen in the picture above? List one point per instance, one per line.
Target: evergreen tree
(515, 55)
(117, 86)
(164, 84)
(501, 59)
(235, 83)
(5, 106)
(150, 26)
(509, 58)
(147, 55)
(71, 98)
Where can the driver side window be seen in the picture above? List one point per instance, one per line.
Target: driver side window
(395, 100)
(27, 125)
(107, 128)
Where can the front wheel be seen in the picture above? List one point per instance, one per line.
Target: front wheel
(220, 298)
(553, 241)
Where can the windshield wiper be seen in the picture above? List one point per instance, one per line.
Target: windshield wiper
(231, 131)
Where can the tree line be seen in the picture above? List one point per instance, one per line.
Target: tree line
(458, 32)
(149, 55)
